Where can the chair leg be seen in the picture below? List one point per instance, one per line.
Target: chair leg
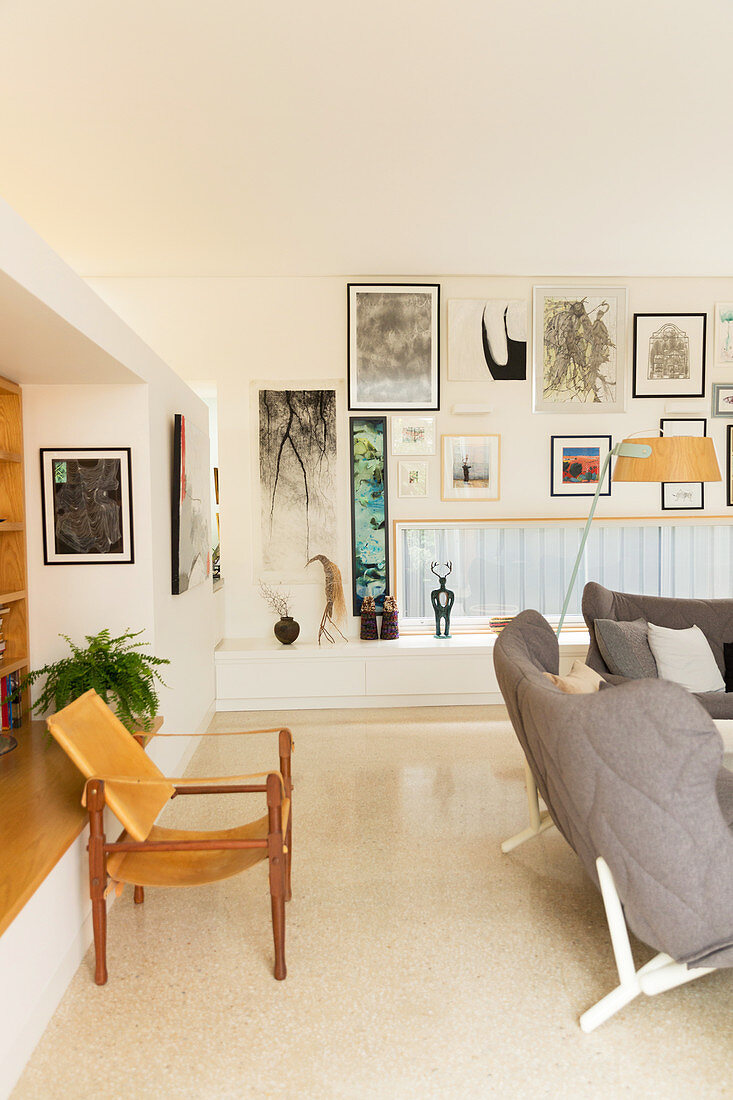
(139, 895)
(278, 935)
(277, 866)
(538, 820)
(98, 877)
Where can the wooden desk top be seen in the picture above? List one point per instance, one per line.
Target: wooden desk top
(41, 815)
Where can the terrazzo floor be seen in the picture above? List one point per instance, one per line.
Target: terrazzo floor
(422, 962)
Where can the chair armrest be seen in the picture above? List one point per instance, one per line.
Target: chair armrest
(210, 782)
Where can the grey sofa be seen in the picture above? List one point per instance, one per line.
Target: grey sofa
(714, 617)
(633, 774)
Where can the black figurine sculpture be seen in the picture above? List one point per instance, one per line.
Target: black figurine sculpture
(442, 600)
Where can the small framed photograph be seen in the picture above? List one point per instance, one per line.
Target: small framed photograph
(394, 344)
(682, 496)
(722, 401)
(684, 425)
(413, 479)
(578, 348)
(413, 435)
(87, 505)
(724, 333)
(694, 426)
(729, 466)
(669, 354)
(471, 467)
(575, 465)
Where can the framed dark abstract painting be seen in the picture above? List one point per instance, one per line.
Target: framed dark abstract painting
(87, 505)
(393, 346)
(191, 540)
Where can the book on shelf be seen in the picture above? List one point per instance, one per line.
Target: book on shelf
(11, 712)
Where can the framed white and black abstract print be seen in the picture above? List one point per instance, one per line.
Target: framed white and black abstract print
(190, 515)
(87, 505)
(393, 351)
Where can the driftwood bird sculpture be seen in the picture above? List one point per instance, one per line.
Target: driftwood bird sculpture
(335, 610)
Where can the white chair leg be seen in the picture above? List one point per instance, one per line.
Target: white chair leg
(539, 820)
(660, 973)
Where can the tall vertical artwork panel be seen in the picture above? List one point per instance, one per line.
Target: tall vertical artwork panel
(190, 517)
(369, 510)
(297, 470)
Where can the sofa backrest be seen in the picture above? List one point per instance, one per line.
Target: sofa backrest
(714, 617)
(629, 773)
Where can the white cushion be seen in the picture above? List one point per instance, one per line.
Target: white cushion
(685, 657)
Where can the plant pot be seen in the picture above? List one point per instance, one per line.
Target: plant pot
(286, 630)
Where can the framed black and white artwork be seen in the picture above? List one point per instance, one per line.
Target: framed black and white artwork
(676, 494)
(669, 354)
(578, 341)
(487, 339)
(394, 345)
(87, 505)
(191, 541)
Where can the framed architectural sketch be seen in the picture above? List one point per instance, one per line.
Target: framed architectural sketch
(578, 337)
(394, 346)
(370, 558)
(87, 505)
(669, 354)
(471, 467)
(680, 497)
(689, 491)
(412, 479)
(191, 541)
(729, 466)
(722, 401)
(413, 435)
(723, 333)
(487, 340)
(575, 465)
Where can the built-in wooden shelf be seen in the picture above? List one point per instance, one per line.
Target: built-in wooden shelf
(12, 666)
(41, 814)
(10, 456)
(8, 388)
(10, 525)
(12, 597)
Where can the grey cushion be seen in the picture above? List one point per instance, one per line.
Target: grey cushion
(632, 773)
(625, 648)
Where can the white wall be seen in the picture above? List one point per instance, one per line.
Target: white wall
(245, 329)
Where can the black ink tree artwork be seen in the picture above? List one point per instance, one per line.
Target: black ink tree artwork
(297, 444)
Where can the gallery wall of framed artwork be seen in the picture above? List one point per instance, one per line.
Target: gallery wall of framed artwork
(669, 355)
(87, 505)
(369, 529)
(578, 338)
(393, 346)
(191, 538)
(575, 465)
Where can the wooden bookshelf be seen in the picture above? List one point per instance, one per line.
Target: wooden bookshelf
(13, 590)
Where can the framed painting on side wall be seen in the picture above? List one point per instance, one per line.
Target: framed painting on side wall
(191, 541)
(393, 350)
(87, 505)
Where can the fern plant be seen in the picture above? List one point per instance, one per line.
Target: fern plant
(116, 669)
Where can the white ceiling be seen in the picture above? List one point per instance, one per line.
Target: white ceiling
(166, 137)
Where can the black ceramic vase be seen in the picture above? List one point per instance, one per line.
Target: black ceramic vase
(286, 630)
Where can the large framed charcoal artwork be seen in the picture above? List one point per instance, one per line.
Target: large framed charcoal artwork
(191, 538)
(669, 354)
(370, 550)
(578, 342)
(394, 346)
(87, 505)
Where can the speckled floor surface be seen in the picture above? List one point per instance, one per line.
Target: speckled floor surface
(422, 962)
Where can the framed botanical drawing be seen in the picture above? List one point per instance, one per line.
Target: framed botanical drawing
(724, 333)
(579, 337)
(729, 466)
(412, 479)
(575, 465)
(722, 401)
(394, 346)
(191, 537)
(87, 505)
(370, 558)
(471, 467)
(687, 494)
(413, 435)
(669, 354)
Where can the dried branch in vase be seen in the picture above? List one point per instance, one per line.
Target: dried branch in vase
(279, 602)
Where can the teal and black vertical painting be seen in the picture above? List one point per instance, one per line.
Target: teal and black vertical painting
(369, 509)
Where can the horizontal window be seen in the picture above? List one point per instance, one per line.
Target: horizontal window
(502, 567)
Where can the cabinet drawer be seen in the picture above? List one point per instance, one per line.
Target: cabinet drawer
(449, 674)
(289, 679)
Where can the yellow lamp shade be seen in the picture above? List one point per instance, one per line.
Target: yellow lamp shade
(673, 458)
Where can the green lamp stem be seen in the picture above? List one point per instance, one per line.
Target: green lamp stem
(629, 450)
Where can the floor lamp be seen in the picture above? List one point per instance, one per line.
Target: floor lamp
(675, 458)
(678, 458)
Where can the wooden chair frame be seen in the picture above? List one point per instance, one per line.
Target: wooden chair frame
(277, 788)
